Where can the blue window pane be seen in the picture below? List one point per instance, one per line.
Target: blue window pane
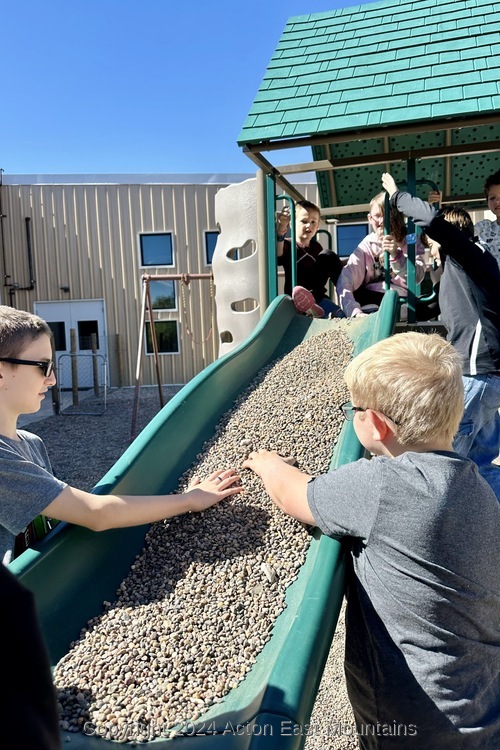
(162, 295)
(156, 249)
(349, 236)
(210, 243)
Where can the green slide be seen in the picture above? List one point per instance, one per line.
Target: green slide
(73, 570)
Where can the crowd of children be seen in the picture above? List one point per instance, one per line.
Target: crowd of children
(419, 519)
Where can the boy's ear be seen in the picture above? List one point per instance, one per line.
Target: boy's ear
(381, 429)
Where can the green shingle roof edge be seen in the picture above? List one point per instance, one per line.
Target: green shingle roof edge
(379, 64)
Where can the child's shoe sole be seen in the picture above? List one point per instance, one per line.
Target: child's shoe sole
(305, 303)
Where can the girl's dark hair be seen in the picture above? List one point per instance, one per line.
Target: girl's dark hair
(397, 224)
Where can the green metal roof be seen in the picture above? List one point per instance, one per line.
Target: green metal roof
(379, 64)
(369, 86)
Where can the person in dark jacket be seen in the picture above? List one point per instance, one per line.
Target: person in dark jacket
(28, 711)
(315, 266)
(469, 298)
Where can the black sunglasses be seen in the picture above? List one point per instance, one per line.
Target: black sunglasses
(349, 411)
(46, 367)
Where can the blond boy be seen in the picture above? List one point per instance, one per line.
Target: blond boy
(421, 525)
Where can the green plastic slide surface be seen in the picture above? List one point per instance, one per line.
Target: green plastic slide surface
(73, 570)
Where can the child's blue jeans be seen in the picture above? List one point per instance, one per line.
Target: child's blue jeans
(330, 307)
(478, 435)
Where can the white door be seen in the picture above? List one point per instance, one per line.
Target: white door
(84, 317)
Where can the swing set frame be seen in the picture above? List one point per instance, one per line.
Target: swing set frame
(147, 312)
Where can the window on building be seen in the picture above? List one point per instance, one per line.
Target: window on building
(59, 331)
(210, 243)
(156, 249)
(163, 295)
(85, 330)
(349, 236)
(167, 337)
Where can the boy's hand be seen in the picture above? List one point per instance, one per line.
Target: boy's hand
(435, 196)
(283, 220)
(389, 184)
(285, 484)
(216, 487)
(262, 461)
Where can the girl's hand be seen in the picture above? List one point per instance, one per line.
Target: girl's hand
(216, 487)
(389, 244)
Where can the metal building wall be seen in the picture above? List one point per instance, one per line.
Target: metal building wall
(85, 237)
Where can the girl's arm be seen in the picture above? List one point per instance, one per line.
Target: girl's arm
(101, 512)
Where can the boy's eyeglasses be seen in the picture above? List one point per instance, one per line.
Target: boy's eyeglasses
(348, 410)
(46, 367)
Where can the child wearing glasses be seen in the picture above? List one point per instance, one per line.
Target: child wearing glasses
(27, 485)
(422, 655)
(361, 282)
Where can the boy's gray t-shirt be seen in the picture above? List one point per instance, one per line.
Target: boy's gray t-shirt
(27, 486)
(423, 615)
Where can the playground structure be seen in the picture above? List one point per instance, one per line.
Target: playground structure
(375, 88)
(85, 568)
(256, 324)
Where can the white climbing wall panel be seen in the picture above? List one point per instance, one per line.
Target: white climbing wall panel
(235, 264)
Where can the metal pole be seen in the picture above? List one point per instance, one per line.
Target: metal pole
(262, 242)
(95, 365)
(152, 330)
(293, 245)
(411, 279)
(74, 367)
(387, 230)
(135, 407)
(272, 258)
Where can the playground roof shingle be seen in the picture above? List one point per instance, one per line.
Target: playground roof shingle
(379, 64)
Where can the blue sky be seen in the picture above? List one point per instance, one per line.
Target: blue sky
(150, 86)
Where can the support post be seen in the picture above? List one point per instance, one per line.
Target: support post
(262, 241)
(95, 364)
(74, 367)
(411, 279)
(272, 264)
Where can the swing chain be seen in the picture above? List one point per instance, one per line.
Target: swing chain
(185, 280)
